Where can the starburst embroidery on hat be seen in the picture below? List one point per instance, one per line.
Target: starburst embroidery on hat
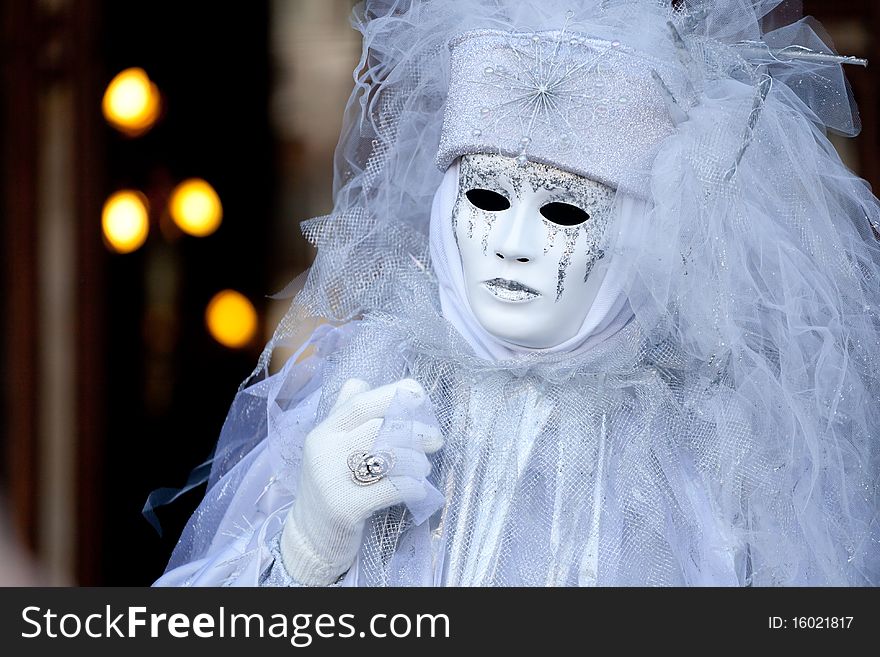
(547, 88)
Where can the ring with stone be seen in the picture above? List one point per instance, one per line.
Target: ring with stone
(367, 468)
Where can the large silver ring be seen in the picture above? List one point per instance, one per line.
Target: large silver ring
(369, 468)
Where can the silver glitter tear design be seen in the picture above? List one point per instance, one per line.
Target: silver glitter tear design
(455, 220)
(571, 236)
(594, 253)
(481, 170)
(488, 220)
(545, 89)
(469, 178)
(552, 232)
(598, 255)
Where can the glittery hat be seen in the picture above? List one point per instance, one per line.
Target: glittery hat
(592, 106)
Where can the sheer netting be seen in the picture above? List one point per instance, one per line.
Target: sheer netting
(727, 434)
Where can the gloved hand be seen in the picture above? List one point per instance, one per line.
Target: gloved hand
(323, 529)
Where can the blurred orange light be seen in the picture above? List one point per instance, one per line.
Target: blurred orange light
(231, 319)
(125, 220)
(131, 102)
(196, 207)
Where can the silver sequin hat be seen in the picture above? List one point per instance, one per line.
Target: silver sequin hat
(591, 106)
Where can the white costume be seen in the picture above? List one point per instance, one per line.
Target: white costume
(625, 335)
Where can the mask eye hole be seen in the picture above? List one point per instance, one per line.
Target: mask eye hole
(564, 214)
(486, 199)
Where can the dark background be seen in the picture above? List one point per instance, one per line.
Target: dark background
(166, 398)
(125, 391)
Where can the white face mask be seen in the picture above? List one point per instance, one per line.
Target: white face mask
(529, 237)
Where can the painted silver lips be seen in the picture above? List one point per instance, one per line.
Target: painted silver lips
(513, 291)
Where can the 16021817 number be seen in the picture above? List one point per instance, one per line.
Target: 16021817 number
(810, 622)
(821, 622)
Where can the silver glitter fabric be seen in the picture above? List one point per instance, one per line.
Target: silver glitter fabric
(582, 104)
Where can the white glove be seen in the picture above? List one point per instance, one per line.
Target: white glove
(324, 527)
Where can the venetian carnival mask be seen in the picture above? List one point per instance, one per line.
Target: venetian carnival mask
(529, 236)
